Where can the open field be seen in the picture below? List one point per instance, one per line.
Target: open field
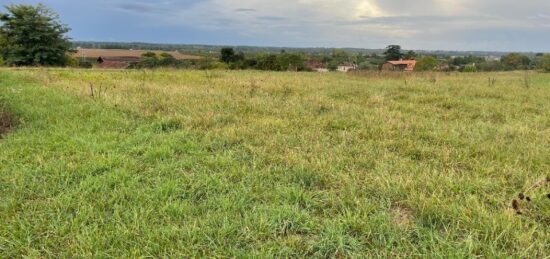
(95, 53)
(244, 164)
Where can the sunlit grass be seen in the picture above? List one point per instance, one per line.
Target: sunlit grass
(214, 163)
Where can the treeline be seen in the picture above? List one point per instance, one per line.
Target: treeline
(229, 58)
(151, 60)
(509, 62)
(303, 62)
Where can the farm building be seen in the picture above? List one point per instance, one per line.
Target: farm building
(346, 67)
(116, 62)
(316, 65)
(400, 65)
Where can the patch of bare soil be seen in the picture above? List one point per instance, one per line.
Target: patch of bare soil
(6, 121)
(402, 216)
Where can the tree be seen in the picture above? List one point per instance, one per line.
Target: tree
(393, 52)
(268, 62)
(467, 60)
(426, 63)
(544, 63)
(515, 61)
(33, 35)
(410, 55)
(340, 56)
(291, 62)
(227, 55)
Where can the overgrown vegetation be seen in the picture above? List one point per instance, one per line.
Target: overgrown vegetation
(262, 164)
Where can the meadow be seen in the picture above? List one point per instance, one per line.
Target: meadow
(169, 163)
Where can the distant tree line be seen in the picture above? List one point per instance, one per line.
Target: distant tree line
(471, 63)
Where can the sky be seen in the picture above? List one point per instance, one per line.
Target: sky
(490, 25)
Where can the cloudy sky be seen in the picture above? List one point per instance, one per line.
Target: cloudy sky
(501, 25)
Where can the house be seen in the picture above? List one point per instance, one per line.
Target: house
(346, 67)
(116, 62)
(400, 65)
(316, 65)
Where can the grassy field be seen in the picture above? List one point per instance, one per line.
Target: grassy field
(264, 164)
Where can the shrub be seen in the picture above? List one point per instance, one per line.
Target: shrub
(426, 63)
(218, 65)
(544, 63)
(470, 68)
(72, 62)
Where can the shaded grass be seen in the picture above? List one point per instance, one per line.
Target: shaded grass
(172, 163)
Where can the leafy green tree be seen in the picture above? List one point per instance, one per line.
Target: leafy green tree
(544, 63)
(340, 56)
(268, 62)
(33, 35)
(410, 55)
(227, 55)
(393, 52)
(515, 61)
(426, 63)
(468, 60)
(291, 62)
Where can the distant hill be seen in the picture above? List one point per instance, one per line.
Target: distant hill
(205, 50)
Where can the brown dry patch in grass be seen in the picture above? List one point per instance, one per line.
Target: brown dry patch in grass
(6, 121)
(402, 216)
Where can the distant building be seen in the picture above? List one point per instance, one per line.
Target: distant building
(316, 65)
(492, 58)
(116, 62)
(346, 67)
(400, 65)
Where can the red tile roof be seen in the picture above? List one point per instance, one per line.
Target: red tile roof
(410, 64)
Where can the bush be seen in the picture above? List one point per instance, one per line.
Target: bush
(218, 66)
(426, 63)
(470, 69)
(72, 62)
(544, 63)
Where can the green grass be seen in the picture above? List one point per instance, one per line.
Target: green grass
(262, 164)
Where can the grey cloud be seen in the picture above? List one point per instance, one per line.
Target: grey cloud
(244, 10)
(271, 18)
(140, 8)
